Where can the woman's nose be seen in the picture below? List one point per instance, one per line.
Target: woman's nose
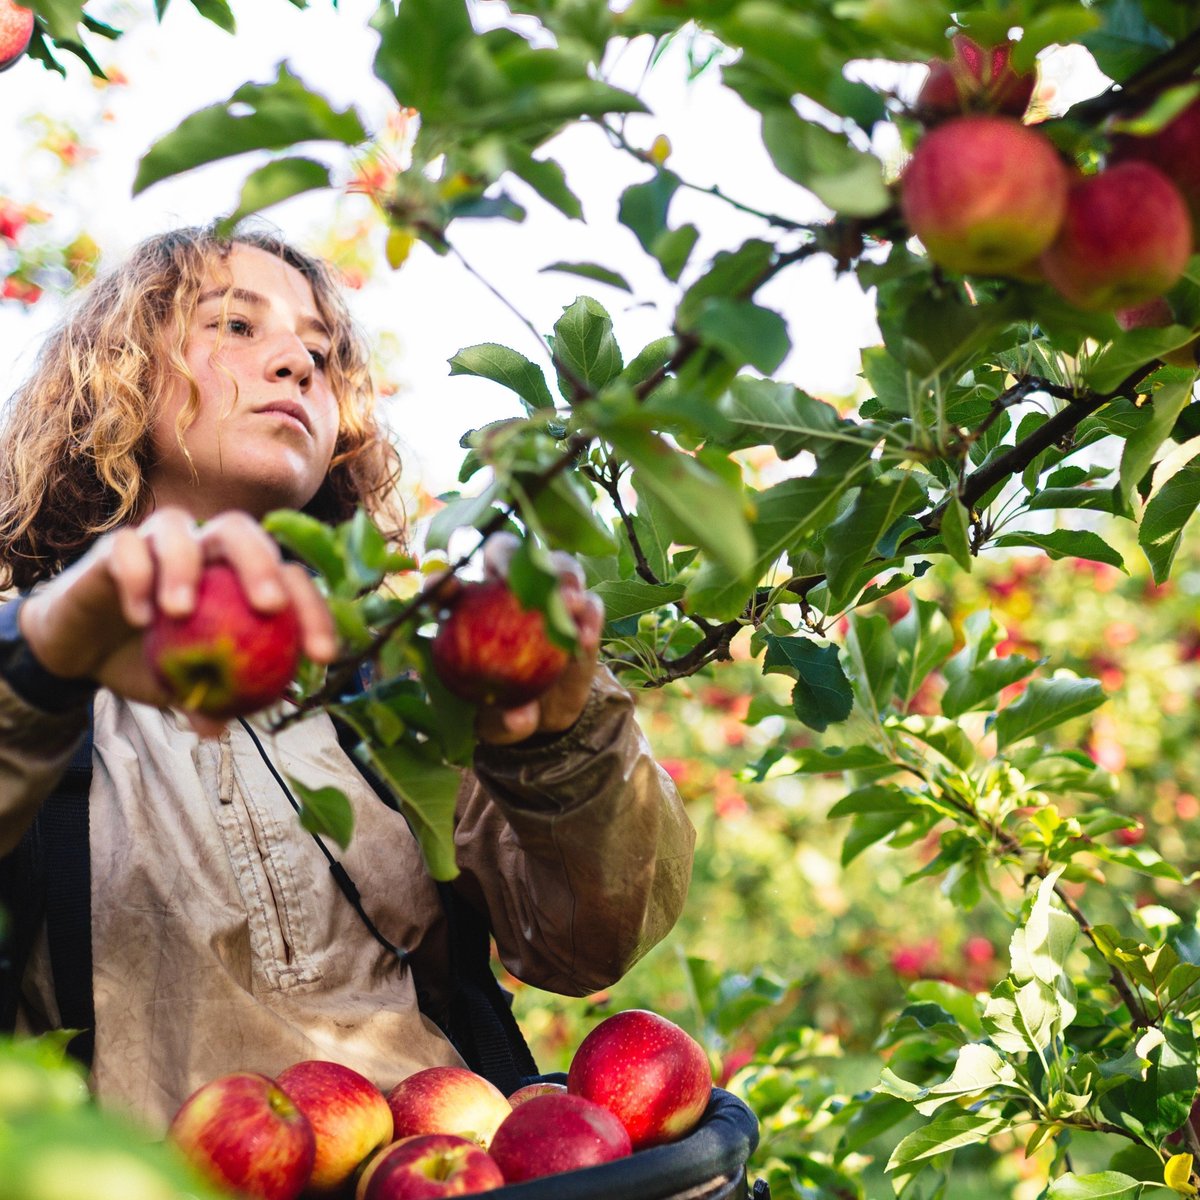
(291, 359)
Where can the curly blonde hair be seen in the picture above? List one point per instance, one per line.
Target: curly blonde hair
(77, 432)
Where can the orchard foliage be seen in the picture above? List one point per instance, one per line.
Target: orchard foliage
(722, 512)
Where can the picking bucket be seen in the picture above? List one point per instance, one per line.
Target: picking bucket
(708, 1164)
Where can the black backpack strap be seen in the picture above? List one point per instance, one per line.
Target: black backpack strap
(480, 1021)
(62, 897)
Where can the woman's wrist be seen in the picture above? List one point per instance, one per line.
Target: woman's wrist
(21, 669)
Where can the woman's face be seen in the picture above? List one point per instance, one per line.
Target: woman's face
(264, 433)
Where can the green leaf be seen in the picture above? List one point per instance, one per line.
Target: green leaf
(62, 17)
(310, 540)
(1060, 25)
(584, 345)
(632, 597)
(822, 695)
(546, 177)
(281, 114)
(945, 1134)
(924, 640)
(1067, 543)
(744, 332)
(1166, 514)
(1022, 1019)
(853, 538)
(275, 182)
(955, 528)
(643, 207)
(874, 798)
(871, 649)
(1168, 402)
(763, 411)
(592, 271)
(459, 512)
(427, 50)
(1045, 704)
(1100, 1185)
(426, 790)
(507, 367)
(326, 811)
(984, 683)
(218, 12)
(567, 517)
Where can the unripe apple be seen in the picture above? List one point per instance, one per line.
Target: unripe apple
(1126, 238)
(225, 659)
(974, 79)
(1175, 151)
(984, 194)
(16, 30)
(490, 649)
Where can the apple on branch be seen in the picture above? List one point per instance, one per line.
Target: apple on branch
(429, 1166)
(557, 1132)
(16, 31)
(245, 1133)
(1175, 151)
(984, 194)
(225, 658)
(646, 1070)
(447, 1100)
(349, 1116)
(974, 79)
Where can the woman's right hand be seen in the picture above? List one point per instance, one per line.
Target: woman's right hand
(89, 621)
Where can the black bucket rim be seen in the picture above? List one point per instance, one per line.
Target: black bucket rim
(717, 1148)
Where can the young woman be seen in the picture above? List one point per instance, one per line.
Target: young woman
(199, 386)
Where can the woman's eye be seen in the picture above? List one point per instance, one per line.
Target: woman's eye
(239, 326)
(320, 359)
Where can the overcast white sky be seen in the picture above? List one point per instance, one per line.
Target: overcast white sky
(430, 305)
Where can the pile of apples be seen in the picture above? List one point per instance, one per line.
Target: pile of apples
(988, 194)
(322, 1129)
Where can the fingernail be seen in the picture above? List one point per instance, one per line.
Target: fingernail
(269, 591)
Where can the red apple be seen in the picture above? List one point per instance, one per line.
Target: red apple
(646, 1070)
(545, 1087)
(448, 1100)
(349, 1116)
(1126, 238)
(974, 79)
(244, 1131)
(428, 1166)
(16, 29)
(1175, 151)
(1157, 314)
(492, 650)
(225, 659)
(984, 194)
(557, 1132)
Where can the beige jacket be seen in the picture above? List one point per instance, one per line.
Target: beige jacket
(221, 942)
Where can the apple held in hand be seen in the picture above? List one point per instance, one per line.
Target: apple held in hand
(349, 1116)
(246, 1134)
(653, 1075)
(448, 1100)
(1125, 238)
(427, 1166)
(557, 1132)
(225, 659)
(984, 194)
(492, 650)
(16, 30)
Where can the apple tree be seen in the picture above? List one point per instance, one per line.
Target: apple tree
(1031, 260)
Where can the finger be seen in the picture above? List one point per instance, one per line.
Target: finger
(587, 611)
(169, 537)
(570, 573)
(131, 567)
(316, 621)
(504, 726)
(498, 552)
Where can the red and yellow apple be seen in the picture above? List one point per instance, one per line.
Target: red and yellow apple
(543, 1087)
(974, 79)
(984, 194)
(557, 1132)
(448, 1100)
(490, 649)
(245, 1133)
(16, 30)
(224, 659)
(349, 1116)
(1175, 151)
(1125, 238)
(429, 1166)
(646, 1070)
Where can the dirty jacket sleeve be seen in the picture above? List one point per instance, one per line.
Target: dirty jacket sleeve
(577, 846)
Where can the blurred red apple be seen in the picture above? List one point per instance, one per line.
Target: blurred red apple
(225, 659)
(1125, 238)
(1157, 314)
(648, 1071)
(448, 1100)
(492, 650)
(544, 1087)
(975, 79)
(16, 29)
(1175, 151)
(245, 1133)
(349, 1116)
(557, 1132)
(430, 1165)
(984, 194)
